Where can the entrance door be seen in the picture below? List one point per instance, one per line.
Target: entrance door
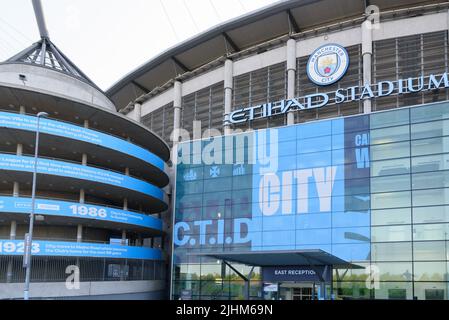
(297, 291)
(305, 293)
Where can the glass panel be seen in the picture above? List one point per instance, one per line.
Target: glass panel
(390, 167)
(431, 197)
(390, 151)
(351, 290)
(391, 216)
(389, 118)
(430, 163)
(389, 135)
(401, 251)
(431, 291)
(189, 271)
(394, 271)
(429, 180)
(394, 291)
(430, 271)
(430, 250)
(428, 113)
(214, 289)
(429, 129)
(431, 231)
(430, 146)
(390, 200)
(390, 183)
(391, 233)
(431, 214)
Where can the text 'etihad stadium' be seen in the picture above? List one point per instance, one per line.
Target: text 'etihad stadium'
(355, 93)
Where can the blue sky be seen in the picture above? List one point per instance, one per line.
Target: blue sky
(109, 38)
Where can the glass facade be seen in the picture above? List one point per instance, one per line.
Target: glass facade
(369, 189)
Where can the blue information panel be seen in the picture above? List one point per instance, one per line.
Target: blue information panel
(78, 210)
(74, 249)
(77, 171)
(299, 187)
(57, 128)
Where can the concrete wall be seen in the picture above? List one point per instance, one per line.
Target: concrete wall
(349, 37)
(88, 290)
(52, 82)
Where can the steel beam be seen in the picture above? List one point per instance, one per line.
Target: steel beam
(40, 19)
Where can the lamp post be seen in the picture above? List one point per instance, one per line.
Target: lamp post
(29, 238)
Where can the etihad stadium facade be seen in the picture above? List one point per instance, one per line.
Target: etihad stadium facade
(336, 185)
(326, 176)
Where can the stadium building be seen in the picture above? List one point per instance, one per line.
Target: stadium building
(342, 191)
(100, 196)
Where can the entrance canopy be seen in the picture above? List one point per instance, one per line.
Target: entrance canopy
(281, 258)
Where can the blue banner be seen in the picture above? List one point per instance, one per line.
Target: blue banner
(78, 210)
(77, 171)
(57, 128)
(75, 249)
(298, 187)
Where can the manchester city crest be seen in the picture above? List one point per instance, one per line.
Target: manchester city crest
(328, 64)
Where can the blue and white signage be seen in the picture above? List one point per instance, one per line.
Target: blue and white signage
(77, 171)
(328, 64)
(306, 187)
(77, 210)
(61, 129)
(75, 249)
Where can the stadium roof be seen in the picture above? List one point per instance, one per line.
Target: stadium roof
(44, 53)
(284, 18)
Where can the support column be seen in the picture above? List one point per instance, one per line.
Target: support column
(84, 159)
(22, 110)
(13, 230)
(291, 77)
(12, 236)
(16, 190)
(82, 196)
(138, 112)
(79, 233)
(123, 237)
(177, 105)
(228, 91)
(125, 200)
(125, 204)
(19, 149)
(367, 54)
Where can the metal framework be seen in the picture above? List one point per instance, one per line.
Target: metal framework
(45, 53)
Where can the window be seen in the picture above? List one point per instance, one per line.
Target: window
(390, 183)
(389, 135)
(422, 232)
(390, 200)
(400, 251)
(391, 233)
(390, 167)
(390, 151)
(390, 216)
(430, 250)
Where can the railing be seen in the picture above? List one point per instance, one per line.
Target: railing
(85, 241)
(53, 269)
